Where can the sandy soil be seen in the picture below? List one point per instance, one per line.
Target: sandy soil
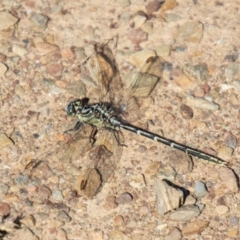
(42, 46)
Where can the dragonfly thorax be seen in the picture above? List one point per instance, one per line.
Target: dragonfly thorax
(97, 115)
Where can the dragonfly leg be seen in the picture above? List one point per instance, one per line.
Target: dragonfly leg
(116, 135)
(92, 135)
(77, 126)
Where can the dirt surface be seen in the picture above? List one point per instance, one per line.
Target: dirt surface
(42, 47)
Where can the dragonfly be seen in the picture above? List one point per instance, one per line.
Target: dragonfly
(117, 105)
(97, 135)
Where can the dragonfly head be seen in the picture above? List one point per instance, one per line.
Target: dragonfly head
(74, 107)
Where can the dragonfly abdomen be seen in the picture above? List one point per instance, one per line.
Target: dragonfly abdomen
(170, 143)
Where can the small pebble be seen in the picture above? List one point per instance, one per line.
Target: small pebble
(231, 141)
(233, 220)
(4, 209)
(12, 198)
(163, 50)
(39, 20)
(175, 234)
(186, 111)
(232, 233)
(118, 220)
(200, 189)
(124, 198)
(137, 181)
(110, 203)
(7, 20)
(166, 172)
(199, 92)
(199, 71)
(28, 202)
(142, 149)
(46, 48)
(3, 189)
(4, 140)
(168, 4)
(67, 53)
(185, 213)
(221, 209)
(147, 27)
(42, 215)
(21, 179)
(183, 81)
(57, 195)
(56, 9)
(195, 227)
(190, 32)
(63, 216)
(152, 168)
(116, 235)
(44, 193)
(44, 171)
(201, 103)
(181, 162)
(228, 177)
(139, 20)
(153, 6)
(19, 50)
(55, 69)
(28, 220)
(190, 200)
(225, 152)
(125, 17)
(137, 36)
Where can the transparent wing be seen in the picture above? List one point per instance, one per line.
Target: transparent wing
(124, 97)
(100, 162)
(104, 71)
(141, 87)
(96, 162)
(146, 79)
(63, 154)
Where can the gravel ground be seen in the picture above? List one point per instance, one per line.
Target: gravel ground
(42, 47)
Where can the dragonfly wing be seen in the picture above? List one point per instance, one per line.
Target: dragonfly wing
(103, 69)
(101, 162)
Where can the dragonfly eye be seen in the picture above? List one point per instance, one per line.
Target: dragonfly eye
(71, 111)
(73, 107)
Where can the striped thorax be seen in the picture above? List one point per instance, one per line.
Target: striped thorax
(98, 115)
